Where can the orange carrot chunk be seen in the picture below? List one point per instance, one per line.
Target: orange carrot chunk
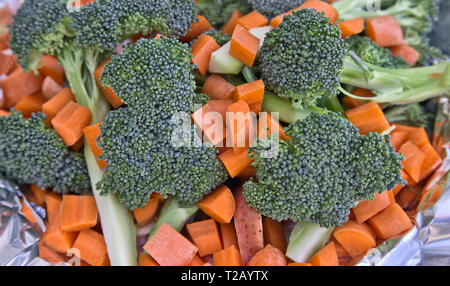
(56, 103)
(30, 104)
(91, 133)
(228, 257)
(241, 126)
(146, 260)
(78, 212)
(219, 204)
(197, 261)
(211, 123)
(368, 118)
(220, 106)
(48, 254)
(274, 234)
(50, 88)
(235, 163)
(229, 26)
(244, 46)
(353, 102)
(327, 256)
(50, 67)
(19, 85)
(205, 235)
(52, 203)
(146, 215)
(4, 113)
(70, 121)
(432, 161)
(7, 62)
(268, 256)
(252, 93)
(406, 52)
(201, 52)
(367, 209)
(216, 87)
(398, 138)
(429, 197)
(56, 238)
(355, 238)
(252, 20)
(390, 222)
(38, 194)
(416, 135)
(169, 248)
(414, 159)
(299, 264)
(267, 125)
(92, 247)
(384, 30)
(228, 235)
(113, 99)
(200, 26)
(351, 27)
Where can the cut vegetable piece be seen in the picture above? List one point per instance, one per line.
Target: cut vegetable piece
(318, 5)
(248, 224)
(91, 133)
(50, 88)
(429, 197)
(92, 247)
(52, 203)
(367, 209)
(55, 104)
(384, 30)
(228, 235)
(230, 256)
(30, 104)
(38, 194)
(353, 102)
(146, 215)
(414, 159)
(355, 238)
(146, 260)
(398, 138)
(252, 93)
(201, 52)
(432, 161)
(268, 256)
(56, 238)
(200, 26)
(253, 19)
(197, 261)
(211, 123)
(217, 88)
(169, 248)
(19, 85)
(244, 46)
(229, 26)
(274, 234)
(50, 67)
(368, 118)
(406, 52)
(306, 239)
(7, 62)
(241, 126)
(223, 63)
(261, 33)
(113, 99)
(205, 235)
(327, 256)
(235, 163)
(221, 107)
(390, 222)
(78, 212)
(4, 112)
(351, 27)
(219, 204)
(299, 264)
(70, 121)
(48, 254)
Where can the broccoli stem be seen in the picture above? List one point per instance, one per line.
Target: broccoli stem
(287, 113)
(174, 215)
(248, 74)
(306, 239)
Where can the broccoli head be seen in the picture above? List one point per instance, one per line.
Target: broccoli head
(301, 58)
(219, 11)
(32, 153)
(272, 8)
(153, 78)
(325, 169)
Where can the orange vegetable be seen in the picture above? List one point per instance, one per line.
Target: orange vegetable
(252, 20)
(197, 261)
(406, 52)
(50, 67)
(219, 204)
(327, 256)
(55, 104)
(91, 133)
(4, 113)
(318, 5)
(56, 238)
(169, 248)
(146, 260)
(200, 26)
(384, 30)
(221, 107)
(416, 135)
(92, 247)
(205, 235)
(48, 254)
(228, 235)
(70, 121)
(50, 88)
(78, 145)
(244, 46)
(216, 87)
(353, 102)
(390, 222)
(38, 194)
(228, 257)
(351, 27)
(19, 85)
(432, 161)
(247, 173)
(52, 203)
(78, 212)
(408, 197)
(355, 238)
(229, 26)
(368, 118)
(367, 209)
(113, 99)
(429, 197)
(235, 163)
(146, 215)
(241, 126)
(267, 125)
(274, 234)
(398, 138)
(27, 212)
(7, 62)
(414, 159)
(299, 264)
(201, 52)
(341, 252)
(252, 93)
(211, 123)
(268, 256)
(30, 104)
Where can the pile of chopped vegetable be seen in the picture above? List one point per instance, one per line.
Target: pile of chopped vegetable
(225, 133)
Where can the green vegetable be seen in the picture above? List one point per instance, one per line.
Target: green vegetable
(153, 78)
(219, 11)
(221, 61)
(272, 8)
(221, 39)
(408, 114)
(32, 153)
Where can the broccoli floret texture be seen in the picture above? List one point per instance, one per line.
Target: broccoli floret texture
(219, 11)
(32, 153)
(299, 61)
(153, 78)
(272, 8)
(322, 172)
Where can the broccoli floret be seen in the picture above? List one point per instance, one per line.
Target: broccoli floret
(219, 11)
(371, 53)
(300, 61)
(153, 77)
(220, 38)
(409, 114)
(32, 153)
(322, 171)
(272, 8)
